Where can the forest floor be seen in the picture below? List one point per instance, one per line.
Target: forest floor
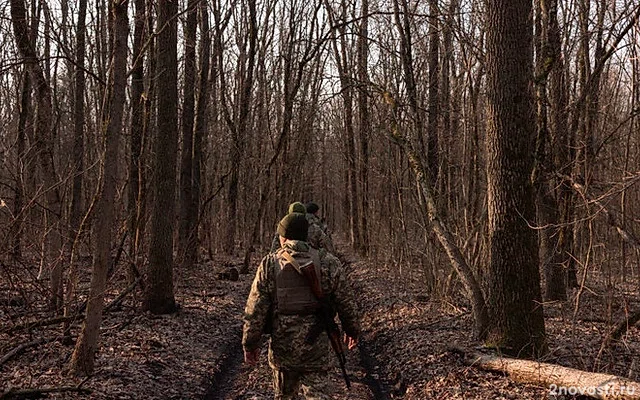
(404, 352)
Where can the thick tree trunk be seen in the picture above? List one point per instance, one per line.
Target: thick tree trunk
(514, 280)
(159, 298)
(82, 361)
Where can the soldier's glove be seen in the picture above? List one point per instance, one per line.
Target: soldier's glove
(251, 357)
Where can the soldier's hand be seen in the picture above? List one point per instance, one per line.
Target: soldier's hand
(251, 357)
(350, 342)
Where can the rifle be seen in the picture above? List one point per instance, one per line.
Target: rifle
(308, 270)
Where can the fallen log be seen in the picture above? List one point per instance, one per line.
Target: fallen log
(560, 380)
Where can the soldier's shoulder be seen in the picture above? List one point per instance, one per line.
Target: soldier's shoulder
(269, 260)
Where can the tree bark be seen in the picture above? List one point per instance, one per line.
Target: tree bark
(136, 168)
(25, 115)
(514, 296)
(185, 225)
(365, 125)
(547, 205)
(159, 298)
(78, 122)
(434, 95)
(201, 123)
(82, 360)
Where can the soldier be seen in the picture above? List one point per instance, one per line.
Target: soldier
(282, 302)
(296, 207)
(318, 231)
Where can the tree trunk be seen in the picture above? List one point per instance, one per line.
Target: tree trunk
(185, 226)
(201, 123)
(365, 125)
(434, 95)
(78, 123)
(76, 217)
(43, 147)
(159, 298)
(26, 113)
(346, 86)
(246, 67)
(514, 280)
(548, 62)
(138, 99)
(449, 117)
(82, 360)
(403, 25)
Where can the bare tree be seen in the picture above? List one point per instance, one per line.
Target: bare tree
(201, 120)
(138, 122)
(434, 93)
(342, 51)
(82, 360)
(239, 122)
(365, 123)
(44, 148)
(185, 226)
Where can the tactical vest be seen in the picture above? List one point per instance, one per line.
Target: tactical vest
(293, 293)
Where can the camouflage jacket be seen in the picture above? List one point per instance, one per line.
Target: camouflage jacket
(318, 234)
(288, 349)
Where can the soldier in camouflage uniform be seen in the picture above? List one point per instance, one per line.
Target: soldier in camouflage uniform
(296, 207)
(318, 231)
(282, 303)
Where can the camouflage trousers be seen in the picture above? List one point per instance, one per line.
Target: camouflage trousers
(314, 384)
